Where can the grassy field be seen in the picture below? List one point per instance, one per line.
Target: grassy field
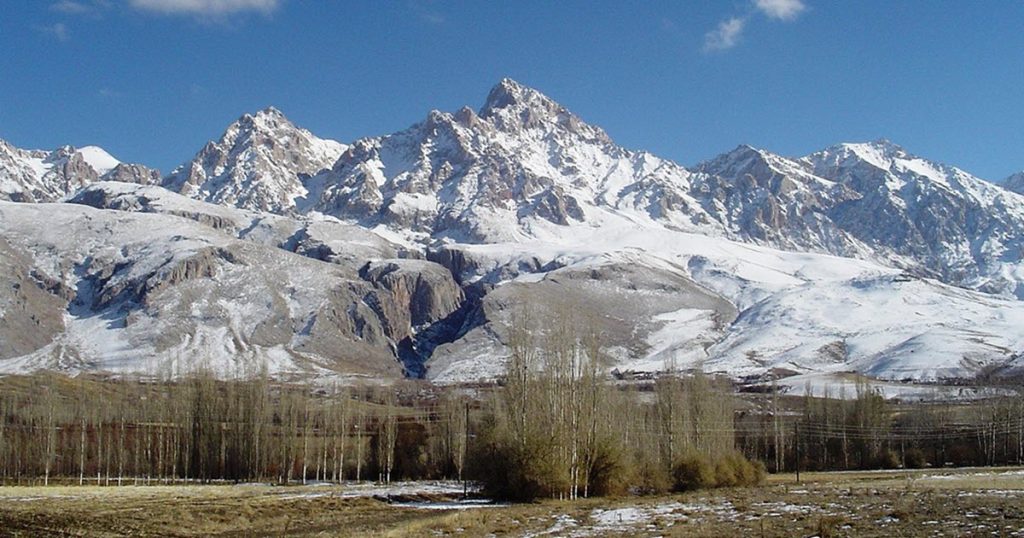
(966, 502)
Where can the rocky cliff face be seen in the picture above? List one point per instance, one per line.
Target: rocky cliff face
(31, 306)
(421, 293)
(133, 173)
(765, 198)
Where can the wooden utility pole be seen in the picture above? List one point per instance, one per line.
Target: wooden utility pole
(797, 441)
(465, 453)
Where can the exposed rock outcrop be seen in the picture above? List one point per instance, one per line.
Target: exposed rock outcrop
(420, 293)
(30, 314)
(133, 173)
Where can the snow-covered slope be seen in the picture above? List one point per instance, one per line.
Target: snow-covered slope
(889, 326)
(258, 163)
(873, 201)
(662, 297)
(937, 218)
(166, 288)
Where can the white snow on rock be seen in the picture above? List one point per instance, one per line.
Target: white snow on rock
(98, 159)
(259, 163)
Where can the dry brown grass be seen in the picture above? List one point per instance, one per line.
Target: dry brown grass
(964, 503)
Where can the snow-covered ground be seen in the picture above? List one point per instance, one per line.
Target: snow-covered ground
(802, 312)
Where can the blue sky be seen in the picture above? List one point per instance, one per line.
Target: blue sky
(152, 80)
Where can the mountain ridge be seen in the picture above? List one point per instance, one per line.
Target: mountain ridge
(523, 202)
(255, 164)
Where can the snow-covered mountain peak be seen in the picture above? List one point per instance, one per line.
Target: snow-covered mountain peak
(759, 165)
(268, 119)
(258, 163)
(888, 157)
(98, 159)
(509, 93)
(880, 154)
(49, 176)
(269, 122)
(520, 165)
(1014, 182)
(513, 107)
(886, 164)
(270, 111)
(880, 145)
(741, 153)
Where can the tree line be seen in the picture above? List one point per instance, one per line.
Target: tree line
(115, 431)
(862, 430)
(554, 427)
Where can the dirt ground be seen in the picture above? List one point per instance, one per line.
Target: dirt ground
(966, 502)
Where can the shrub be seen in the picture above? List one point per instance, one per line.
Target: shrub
(726, 473)
(887, 459)
(609, 473)
(505, 472)
(915, 458)
(734, 469)
(693, 471)
(516, 471)
(651, 478)
(748, 473)
(696, 471)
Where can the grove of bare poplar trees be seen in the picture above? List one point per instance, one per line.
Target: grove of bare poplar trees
(555, 426)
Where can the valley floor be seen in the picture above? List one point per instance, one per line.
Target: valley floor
(965, 502)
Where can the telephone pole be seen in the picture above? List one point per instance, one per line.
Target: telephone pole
(797, 441)
(465, 454)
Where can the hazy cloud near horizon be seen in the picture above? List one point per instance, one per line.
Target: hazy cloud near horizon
(205, 7)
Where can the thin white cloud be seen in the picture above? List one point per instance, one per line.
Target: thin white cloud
(783, 10)
(88, 9)
(729, 32)
(426, 13)
(81, 7)
(433, 18)
(58, 31)
(70, 7)
(206, 7)
(725, 36)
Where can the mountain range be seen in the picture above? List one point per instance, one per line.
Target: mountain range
(416, 253)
